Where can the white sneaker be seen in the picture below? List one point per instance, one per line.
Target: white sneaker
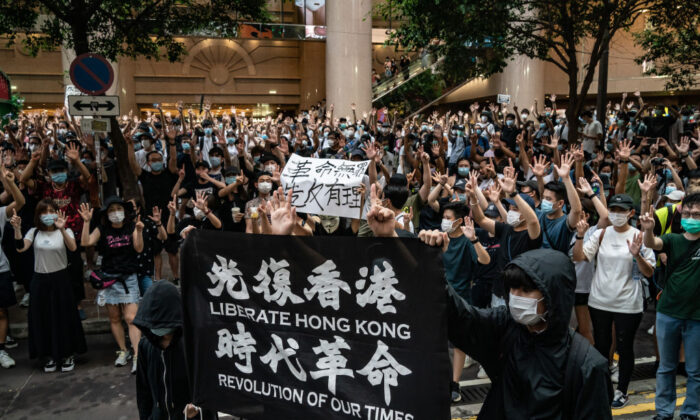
(468, 361)
(482, 373)
(122, 357)
(5, 360)
(615, 373)
(650, 331)
(133, 365)
(25, 301)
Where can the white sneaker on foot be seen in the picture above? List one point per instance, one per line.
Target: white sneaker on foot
(482, 373)
(25, 301)
(650, 331)
(122, 357)
(615, 373)
(133, 365)
(5, 360)
(468, 361)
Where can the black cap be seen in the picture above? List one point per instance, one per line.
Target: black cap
(531, 183)
(266, 157)
(57, 164)
(202, 164)
(113, 200)
(357, 152)
(491, 211)
(622, 201)
(70, 134)
(461, 185)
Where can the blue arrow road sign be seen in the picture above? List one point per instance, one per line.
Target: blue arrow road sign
(91, 74)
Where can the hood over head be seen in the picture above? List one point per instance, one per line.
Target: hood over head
(161, 307)
(554, 275)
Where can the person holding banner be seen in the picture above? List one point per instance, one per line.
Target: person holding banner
(539, 368)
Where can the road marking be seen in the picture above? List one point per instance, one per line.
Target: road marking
(640, 408)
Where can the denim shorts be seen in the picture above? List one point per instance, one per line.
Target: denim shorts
(115, 294)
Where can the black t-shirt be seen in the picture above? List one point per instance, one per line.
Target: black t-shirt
(156, 190)
(660, 126)
(117, 249)
(224, 213)
(209, 188)
(492, 244)
(512, 244)
(429, 218)
(508, 135)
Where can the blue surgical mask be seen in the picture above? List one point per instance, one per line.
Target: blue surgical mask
(343, 126)
(230, 180)
(669, 190)
(690, 225)
(59, 178)
(542, 125)
(156, 166)
(620, 123)
(631, 167)
(546, 206)
(264, 137)
(461, 197)
(230, 140)
(509, 123)
(208, 131)
(48, 219)
(137, 146)
(478, 131)
(463, 171)
(185, 146)
(667, 173)
(215, 161)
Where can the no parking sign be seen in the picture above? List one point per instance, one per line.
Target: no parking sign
(91, 74)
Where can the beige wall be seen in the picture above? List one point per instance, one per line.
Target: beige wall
(228, 72)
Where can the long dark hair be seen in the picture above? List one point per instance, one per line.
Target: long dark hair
(41, 207)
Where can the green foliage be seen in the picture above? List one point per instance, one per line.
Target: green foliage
(671, 41)
(414, 94)
(15, 107)
(116, 28)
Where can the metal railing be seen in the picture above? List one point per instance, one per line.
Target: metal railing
(416, 68)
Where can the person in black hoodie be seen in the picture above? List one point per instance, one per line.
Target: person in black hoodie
(538, 366)
(162, 387)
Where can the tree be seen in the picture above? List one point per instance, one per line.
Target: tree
(118, 28)
(477, 38)
(671, 41)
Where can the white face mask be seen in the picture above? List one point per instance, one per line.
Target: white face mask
(146, 144)
(524, 310)
(513, 218)
(523, 116)
(116, 216)
(198, 214)
(265, 187)
(331, 143)
(270, 168)
(484, 118)
(446, 226)
(617, 219)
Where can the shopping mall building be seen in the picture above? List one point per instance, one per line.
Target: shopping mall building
(310, 50)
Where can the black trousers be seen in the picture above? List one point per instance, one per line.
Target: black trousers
(626, 326)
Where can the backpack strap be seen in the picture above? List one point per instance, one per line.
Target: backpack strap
(600, 238)
(578, 349)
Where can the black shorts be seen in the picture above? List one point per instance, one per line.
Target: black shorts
(172, 244)
(581, 299)
(7, 290)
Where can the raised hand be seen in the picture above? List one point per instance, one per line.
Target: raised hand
(85, 212)
(581, 227)
(283, 216)
(435, 238)
(155, 215)
(648, 184)
(507, 183)
(540, 166)
(625, 149)
(646, 220)
(73, 152)
(379, 218)
(15, 220)
(468, 229)
(494, 193)
(139, 224)
(566, 162)
(201, 201)
(172, 205)
(369, 150)
(636, 245)
(584, 187)
(60, 222)
(684, 145)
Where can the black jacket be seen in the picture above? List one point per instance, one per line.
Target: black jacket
(162, 386)
(526, 369)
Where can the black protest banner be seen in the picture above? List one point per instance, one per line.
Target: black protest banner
(315, 328)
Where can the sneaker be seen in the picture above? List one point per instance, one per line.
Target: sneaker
(688, 417)
(25, 301)
(468, 361)
(10, 343)
(455, 392)
(615, 373)
(5, 360)
(482, 373)
(122, 357)
(620, 399)
(50, 366)
(68, 364)
(650, 331)
(133, 365)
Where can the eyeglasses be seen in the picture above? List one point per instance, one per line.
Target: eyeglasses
(691, 215)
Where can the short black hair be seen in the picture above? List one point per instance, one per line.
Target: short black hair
(557, 188)
(515, 277)
(152, 152)
(458, 208)
(396, 194)
(691, 200)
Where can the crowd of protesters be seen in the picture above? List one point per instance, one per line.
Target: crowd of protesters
(620, 205)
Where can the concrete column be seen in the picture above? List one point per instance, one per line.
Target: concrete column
(312, 68)
(349, 55)
(523, 80)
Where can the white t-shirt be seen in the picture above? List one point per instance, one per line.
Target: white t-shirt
(49, 250)
(4, 264)
(614, 288)
(584, 269)
(593, 128)
(399, 219)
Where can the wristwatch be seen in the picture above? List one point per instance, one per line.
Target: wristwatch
(579, 238)
(474, 241)
(513, 194)
(590, 196)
